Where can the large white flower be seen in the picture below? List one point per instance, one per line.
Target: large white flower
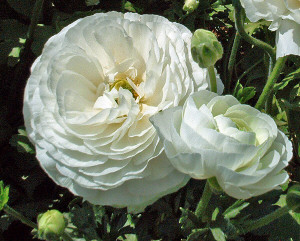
(285, 17)
(89, 98)
(216, 136)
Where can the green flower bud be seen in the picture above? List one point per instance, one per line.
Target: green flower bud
(4, 191)
(190, 5)
(293, 198)
(206, 49)
(51, 225)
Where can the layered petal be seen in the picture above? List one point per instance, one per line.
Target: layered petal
(88, 102)
(216, 136)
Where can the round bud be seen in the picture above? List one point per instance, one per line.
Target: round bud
(206, 49)
(190, 5)
(293, 198)
(51, 225)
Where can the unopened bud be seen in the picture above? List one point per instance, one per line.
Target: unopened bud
(293, 198)
(51, 225)
(206, 49)
(190, 5)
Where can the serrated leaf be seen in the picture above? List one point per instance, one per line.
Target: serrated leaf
(251, 27)
(84, 219)
(218, 234)
(235, 209)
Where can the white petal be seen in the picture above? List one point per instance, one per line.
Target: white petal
(288, 39)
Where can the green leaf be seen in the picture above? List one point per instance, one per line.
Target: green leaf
(251, 27)
(21, 142)
(131, 8)
(188, 220)
(84, 219)
(197, 234)
(218, 234)
(235, 209)
(243, 94)
(4, 195)
(290, 77)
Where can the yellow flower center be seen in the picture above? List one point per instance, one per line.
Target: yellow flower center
(126, 83)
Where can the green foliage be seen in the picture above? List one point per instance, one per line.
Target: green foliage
(4, 195)
(218, 234)
(131, 8)
(243, 94)
(172, 217)
(92, 222)
(11, 34)
(293, 198)
(21, 142)
(234, 210)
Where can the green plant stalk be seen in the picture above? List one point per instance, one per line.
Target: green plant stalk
(264, 220)
(212, 78)
(239, 24)
(34, 19)
(66, 237)
(10, 211)
(247, 72)
(235, 46)
(202, 205)
(270, 82)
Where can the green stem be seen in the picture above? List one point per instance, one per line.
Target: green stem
(202, 205)
(239, 24)
(235, 46)
(247, 71)
(66, 237)
(19, 216)
(34, 19)
(265, 220)
(212, 78)
(270, 82)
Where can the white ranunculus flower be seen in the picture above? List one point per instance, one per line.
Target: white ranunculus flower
(89, 98)
(216, 136)
(285, 17)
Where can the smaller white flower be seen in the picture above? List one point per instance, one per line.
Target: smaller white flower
(285, 17)
(216, 136)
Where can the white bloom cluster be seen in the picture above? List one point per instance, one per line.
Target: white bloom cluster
(216, 136)
(285, 17)
(88, 101)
